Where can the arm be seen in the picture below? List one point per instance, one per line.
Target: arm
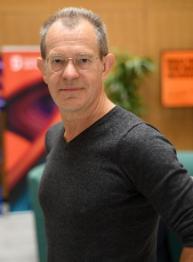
(187, 254)
(163, 180)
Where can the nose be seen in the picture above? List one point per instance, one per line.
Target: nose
(70, 71)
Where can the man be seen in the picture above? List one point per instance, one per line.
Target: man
(108, 174)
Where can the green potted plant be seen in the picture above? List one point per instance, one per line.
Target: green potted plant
(123, 82)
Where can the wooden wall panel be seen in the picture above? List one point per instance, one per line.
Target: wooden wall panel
(141, 27)
(169, 26)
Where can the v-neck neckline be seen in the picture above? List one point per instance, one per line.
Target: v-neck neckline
(88, 130)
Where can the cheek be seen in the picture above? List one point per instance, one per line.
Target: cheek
(52, 80)
(52, 84)
(46, 75)
(96, 77)
(98, 82)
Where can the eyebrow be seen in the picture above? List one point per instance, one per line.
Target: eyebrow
(78, 54)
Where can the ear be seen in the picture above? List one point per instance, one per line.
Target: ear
(109, 61)
(41, 66)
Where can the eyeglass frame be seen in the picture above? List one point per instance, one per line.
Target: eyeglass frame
(74, 60)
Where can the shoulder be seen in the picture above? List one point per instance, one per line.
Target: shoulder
(53, 133)
(147, 149)
(145, 139)
(55, 129)
(133, 129)
(121, 122)
(148, 136)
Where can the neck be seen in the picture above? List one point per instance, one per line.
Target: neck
(77, 122)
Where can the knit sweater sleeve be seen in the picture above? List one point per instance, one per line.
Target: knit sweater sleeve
(150, 162)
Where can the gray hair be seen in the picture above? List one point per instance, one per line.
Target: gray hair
(70, 17)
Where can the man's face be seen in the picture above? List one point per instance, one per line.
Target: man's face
(74, 87)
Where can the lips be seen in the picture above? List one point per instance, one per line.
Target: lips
(70, 89)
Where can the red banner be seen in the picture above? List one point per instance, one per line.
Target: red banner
(29, 109)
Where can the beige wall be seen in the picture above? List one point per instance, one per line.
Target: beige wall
(141, 27)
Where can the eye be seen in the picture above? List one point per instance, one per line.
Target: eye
(57, 61)
(83, 60)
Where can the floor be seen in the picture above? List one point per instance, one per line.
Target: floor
(17, 237)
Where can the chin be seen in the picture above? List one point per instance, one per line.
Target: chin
(70, 109)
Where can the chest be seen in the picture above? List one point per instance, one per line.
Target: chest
(78, 182)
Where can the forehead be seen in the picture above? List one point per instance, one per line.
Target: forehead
(80, 38)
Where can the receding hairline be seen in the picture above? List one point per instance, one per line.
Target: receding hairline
(71, 18)
(80, 22)
(72, 24)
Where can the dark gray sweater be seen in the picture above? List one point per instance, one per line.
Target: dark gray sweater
(102, 193)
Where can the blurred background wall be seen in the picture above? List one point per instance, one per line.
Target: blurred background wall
(140, 27)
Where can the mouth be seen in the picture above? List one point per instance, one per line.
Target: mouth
(70, 89)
